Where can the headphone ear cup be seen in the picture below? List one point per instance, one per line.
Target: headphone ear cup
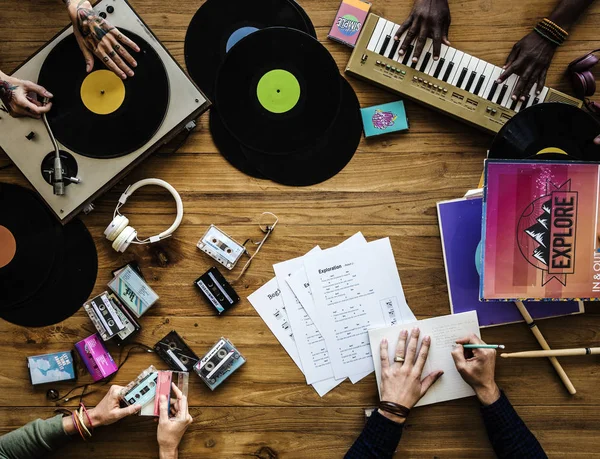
(583, 64)
(124, 239)
(594, 107)
(115, 228)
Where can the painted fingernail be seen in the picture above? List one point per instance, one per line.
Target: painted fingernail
(401, 52)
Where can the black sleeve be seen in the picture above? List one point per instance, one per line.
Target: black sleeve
(507, 432)
(379, 439)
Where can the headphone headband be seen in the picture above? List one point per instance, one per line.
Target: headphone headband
(158, 182)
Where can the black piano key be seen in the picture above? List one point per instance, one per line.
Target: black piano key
(514, 104)
(525, 102)
(492, 91)
(461, 78)
(502, 94)
(448, 71)
(438, 69)
(409, 51)
(386, 42)
(470, 82)
(413, 65)
(425, 62)
(394, 49)
(536, 101)
(479, 84)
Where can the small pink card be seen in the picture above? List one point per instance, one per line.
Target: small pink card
(163, 387)
(349, 21)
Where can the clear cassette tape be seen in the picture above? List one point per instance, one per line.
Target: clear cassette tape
(221, 247)
(142, 389)
(219, 363)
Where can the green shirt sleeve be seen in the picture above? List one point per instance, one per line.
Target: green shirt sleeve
(33, 440)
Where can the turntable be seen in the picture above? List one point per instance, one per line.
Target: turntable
(104, 126)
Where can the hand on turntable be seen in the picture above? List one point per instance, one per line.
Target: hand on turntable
(20, 97)
(530, 59)
(98, 37)
(428, 19)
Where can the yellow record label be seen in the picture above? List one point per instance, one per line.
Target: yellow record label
(102, 92)
(552, 150)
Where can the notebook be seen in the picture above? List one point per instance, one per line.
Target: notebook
(444, 332)
(460, 228)
(540, 230)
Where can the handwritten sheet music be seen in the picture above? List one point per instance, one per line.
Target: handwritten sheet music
(444, 332)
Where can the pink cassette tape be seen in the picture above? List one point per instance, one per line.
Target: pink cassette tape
(98, 361)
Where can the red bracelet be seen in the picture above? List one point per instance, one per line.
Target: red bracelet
(87, 415)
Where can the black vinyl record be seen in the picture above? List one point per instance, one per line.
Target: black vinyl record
(29, 242)
(229, 147)
(310, 28)
(137, 105)
(219, 24)
(72, 271)
(277, 90)
(552, 131)
(325, 157)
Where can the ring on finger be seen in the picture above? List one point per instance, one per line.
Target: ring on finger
(113, 53)
(399, 359)
(105, 58)
(117, 47)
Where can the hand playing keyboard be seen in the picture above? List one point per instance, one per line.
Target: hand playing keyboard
(428, 19)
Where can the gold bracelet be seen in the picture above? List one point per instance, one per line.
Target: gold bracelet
(557, 26)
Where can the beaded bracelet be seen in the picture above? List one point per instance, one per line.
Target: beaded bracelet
(551, 40)
(556, 26)
(550, 31)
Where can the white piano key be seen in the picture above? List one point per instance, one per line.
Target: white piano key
(496, 71)
(433, 64)
(543, 94)
(390, 45)
(376, 34)
(459, 65)
(528, 100)
(426, 49)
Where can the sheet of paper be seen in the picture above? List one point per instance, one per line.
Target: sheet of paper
(269, 305)
(354, 290)
(444, 332)
(311, 346)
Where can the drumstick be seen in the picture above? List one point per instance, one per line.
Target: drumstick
(553, 353)
(540, 338)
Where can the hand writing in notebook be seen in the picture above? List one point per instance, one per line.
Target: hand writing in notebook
(477, 368)
(401, 380)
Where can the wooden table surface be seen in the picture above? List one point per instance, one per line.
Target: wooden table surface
(390, 188)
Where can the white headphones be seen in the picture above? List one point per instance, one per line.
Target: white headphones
(123, 235)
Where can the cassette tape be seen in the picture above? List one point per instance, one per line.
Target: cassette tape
(221, 247)
(132, 326)
(173, 350)
(219, 363)
(217, 291)
(104, 316)
(133, 291)
(142, 389)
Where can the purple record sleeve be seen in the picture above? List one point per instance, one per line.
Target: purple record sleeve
(460, 228)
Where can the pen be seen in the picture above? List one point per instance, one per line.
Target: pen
(484, 346)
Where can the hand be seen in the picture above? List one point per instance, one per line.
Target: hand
(20, 97)
(477, 368)
(401, 382)
(597, 140)
(428, 18)
(171, 430)
(98, 37)
(109, 411)
(530, 59)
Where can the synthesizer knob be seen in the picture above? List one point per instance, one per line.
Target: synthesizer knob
(488, 109)
(445, 90)
(102, 15)
(378, 62)
(403, 72)
(420, 80)
(415, 78)
(388, 66)
(430, 84)
(393, 69)
(435, 86)
(110, 9)
(494, 111)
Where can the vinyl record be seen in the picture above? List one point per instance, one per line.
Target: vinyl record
(229, 147)
(29, 241)
(325, 157)
(553, 131)
(98, 114)
(277, 90)
(69, 285)
(219, 24)
(310, 28)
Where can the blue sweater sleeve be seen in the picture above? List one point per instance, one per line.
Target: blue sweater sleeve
(508, 434)
(33, 440)
(379, 439)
